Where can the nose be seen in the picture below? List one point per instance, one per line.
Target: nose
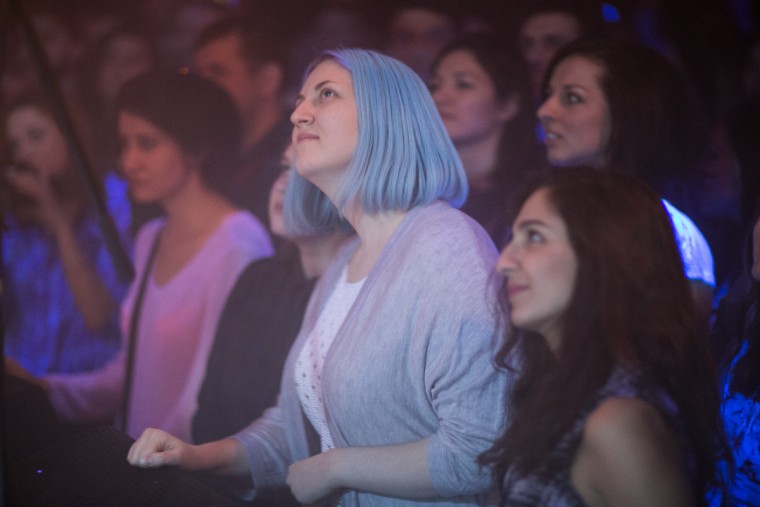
(506, 263)
(302, 114)
(128, 158)
(440, 94)
(546, 111)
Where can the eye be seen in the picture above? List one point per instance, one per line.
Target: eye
(146, 143)
(36, 134)
(326, 93)
(534, 236)
(572, 98)
(463, 84)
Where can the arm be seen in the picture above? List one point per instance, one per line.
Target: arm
(395, 470)
(156, 448)
(91, 296)
(629, 457)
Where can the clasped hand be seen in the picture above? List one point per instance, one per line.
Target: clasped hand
(156, 448)
(314, 479)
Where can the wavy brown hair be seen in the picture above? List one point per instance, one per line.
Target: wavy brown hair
(630, 305)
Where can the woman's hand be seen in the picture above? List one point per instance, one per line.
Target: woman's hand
(314, 478)
(48, 211)
(156, 448)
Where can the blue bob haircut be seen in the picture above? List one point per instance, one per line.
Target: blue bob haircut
(404, 157)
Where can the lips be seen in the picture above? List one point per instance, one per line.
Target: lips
(305, 137)
(513, 290)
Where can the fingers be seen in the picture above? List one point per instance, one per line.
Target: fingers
(155, 448)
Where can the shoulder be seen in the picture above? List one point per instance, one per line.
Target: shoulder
(446, 234)
(628, 450)
(242, 228)
(617, 420)
(148, 232)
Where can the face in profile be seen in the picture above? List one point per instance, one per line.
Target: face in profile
(326, 127)
(154, 164)
(35, 141)
(540, 267)
(756, 250)
(541, 36)
(220, 61)
(277, 194)
(466, 99)
(575, 114)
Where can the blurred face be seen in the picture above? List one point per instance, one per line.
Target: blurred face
(35, 141)
(575, 115)
(540, 38)
(326, 127)
(540, 267)
(756, 251)
(277, 195)
(466, 99)
(416, 36)
(153, 163)
(126, 57)
(220, 60)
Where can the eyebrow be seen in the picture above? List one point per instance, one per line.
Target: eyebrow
(531, 222)
(300, 97)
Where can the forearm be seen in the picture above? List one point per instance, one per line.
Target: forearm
(91, 295)
(226, 457)
(396, 470)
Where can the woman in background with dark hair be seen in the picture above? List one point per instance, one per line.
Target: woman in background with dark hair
(622, 106)
(481, 90)
(177, 133)
(616, 403)
(61, 293)
(735, 339)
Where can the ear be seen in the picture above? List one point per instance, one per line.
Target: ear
(270, 78)
(509, 108)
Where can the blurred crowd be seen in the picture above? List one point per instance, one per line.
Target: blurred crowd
(681, 112)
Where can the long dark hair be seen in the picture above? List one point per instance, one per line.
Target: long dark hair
(519, 150)
(631, 305)
(737, 323)
(657, 129)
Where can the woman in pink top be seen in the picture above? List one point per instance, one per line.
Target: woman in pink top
(178, 132)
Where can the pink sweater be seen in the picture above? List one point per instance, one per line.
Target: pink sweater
(176, 330)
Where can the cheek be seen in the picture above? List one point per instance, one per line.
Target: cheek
(564, 276)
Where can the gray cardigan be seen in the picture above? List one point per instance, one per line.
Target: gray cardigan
(413, 359)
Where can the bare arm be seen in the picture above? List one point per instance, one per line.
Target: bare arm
(630, 457)
(395, 470)
(156, 448)
(91, 295)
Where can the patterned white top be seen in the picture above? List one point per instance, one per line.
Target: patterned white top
(311, 359)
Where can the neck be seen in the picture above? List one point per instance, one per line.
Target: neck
(194, 208)
(315, 253)
(259, 123)
(479, 159)
(374, 231)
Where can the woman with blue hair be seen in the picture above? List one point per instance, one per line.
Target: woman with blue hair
(389, 392)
